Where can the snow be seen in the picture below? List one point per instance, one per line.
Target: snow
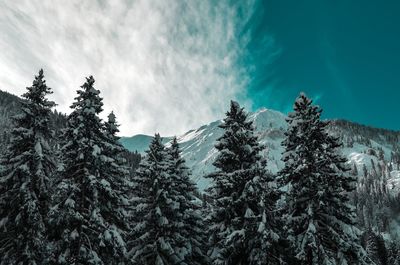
(249, 213)
(199, 152)
(394, 182)
(96, 150)
(69, 203)
(38, 149)
(74, 234)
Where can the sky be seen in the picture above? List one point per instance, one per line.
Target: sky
(170, 66)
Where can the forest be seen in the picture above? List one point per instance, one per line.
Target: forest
(70, 193)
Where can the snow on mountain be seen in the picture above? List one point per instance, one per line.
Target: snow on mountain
(362, 145)
(394, 181)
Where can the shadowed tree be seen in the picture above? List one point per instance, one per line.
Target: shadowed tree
(25, 180)
(187, 218)
(154, 232)
(89, 207)
(241, 224)
(319, 217)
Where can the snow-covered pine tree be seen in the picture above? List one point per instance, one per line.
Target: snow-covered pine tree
(155, 239)
(88, 206)
(239, 182)
(118, 167)
(269, 245)
(25, 180)
(319, 218)
(187, 217)
(114, 201)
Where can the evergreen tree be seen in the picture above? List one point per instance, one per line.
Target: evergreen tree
(394, 253)
(269, 245)
(239, 182)
(114, 200)
(319, 217)
(190, 230)
(117, 167)
(89, 208)
(155, 238)
(25, 180)
(375, 248)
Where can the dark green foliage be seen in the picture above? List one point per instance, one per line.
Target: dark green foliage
(239, 182)
(25, 180)
(394, 253)
(374, 244)
(152, 240)
(319, 218)
(89, 208)
(132, 160)
(167, 225)
(187, 214)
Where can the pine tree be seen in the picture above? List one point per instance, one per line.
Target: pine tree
(239, 217)
(375, 248)
(117, 167)
(88, 214)
(114, 201)
(269, 245)
(394, 253)
(155, 239)
(25, 180)
(189, 225)
(319, 217)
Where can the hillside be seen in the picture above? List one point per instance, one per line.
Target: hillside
(362, 145)
(9, 106)
(373, 157)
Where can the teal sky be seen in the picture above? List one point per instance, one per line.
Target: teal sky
(344, 54)
(171, 66)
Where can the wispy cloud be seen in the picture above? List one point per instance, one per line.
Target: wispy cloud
(163, 66)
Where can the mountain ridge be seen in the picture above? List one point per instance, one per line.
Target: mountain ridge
(198, 144)
(373, 155)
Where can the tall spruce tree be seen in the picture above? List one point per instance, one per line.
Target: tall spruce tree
(155, 238)
(114, 201)
(319, 217)
(89, 208)
(117, 167)
(239, 182)
(187, 217)
(269, 244)
(25, 180)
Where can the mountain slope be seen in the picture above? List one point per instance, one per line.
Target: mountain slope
(9, 106)
(373, 156)
(362, 145)
(140, 142)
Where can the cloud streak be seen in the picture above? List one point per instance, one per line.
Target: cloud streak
(162, 66)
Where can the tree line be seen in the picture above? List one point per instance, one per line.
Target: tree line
(76, 203)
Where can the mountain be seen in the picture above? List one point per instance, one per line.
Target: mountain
(140, 142)
(373, 155)
(363, 145)
(9, 106)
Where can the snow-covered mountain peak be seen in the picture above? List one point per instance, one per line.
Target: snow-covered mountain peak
(363, 146)
(265, 119)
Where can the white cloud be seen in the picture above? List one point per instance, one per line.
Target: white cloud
(164, 66)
